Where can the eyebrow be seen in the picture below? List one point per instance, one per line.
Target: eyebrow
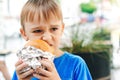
(55, 25)
(36, 27)
(40, 26)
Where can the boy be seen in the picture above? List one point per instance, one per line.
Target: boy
(42, 19)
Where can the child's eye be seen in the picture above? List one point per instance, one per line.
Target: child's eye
(54, 29)
(37, 31)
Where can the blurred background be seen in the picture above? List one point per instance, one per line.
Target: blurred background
(94, 24)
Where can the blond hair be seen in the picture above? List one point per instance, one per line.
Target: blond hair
(43, 8)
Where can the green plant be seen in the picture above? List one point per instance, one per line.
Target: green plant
(101, 34)
(89, 41)
(89, 7)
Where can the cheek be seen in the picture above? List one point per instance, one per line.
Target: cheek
(32, 36)
(57, 41)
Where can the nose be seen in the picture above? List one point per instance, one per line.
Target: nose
(46, 36)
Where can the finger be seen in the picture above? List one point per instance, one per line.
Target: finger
(21, 67)
(19, 62)
(47, 64)
(42, 72)
(27, 73)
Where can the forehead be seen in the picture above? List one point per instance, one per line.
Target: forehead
(41, 18)
(40, 14)
(35, 20)
(43, 24)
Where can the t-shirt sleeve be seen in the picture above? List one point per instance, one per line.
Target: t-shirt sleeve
(14, 76)
(82, 71)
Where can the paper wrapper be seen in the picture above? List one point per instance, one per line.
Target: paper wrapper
(32, 57)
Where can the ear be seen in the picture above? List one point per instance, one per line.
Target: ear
(23, 34)
(63, 25)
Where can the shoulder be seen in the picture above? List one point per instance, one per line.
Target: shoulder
(73, 57)
(70, 60)
(79, 66)
(81, 71)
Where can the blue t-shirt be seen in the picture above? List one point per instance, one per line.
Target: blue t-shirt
(69, 67)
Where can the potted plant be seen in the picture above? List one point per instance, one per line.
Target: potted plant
(94, 47)
(88, 8)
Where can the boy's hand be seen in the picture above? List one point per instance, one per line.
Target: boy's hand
(20, 65)
(50, 73)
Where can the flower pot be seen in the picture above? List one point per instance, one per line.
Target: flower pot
(98, 64)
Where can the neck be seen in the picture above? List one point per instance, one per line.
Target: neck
(58, 52)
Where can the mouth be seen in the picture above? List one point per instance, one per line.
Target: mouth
(51, 45)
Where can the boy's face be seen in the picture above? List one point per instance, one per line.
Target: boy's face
(50, 32)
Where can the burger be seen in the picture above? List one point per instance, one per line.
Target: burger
(34, 51)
